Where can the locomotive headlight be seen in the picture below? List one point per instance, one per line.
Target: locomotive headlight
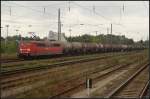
(28, 49)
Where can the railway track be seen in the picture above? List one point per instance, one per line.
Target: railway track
(34, 61)
(9, 82)
(82, 83)
(145, 91)
(134, 87)
(14, 60)
(45, 64)
(6, 71)
(23, 70)
(11, 60)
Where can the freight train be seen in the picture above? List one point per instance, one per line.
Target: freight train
(28, 49)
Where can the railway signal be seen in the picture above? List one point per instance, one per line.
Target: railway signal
(33, 34)
(88, 85)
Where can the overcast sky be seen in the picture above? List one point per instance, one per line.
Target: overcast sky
(129, 18)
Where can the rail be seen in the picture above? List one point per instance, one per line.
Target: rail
(116, 90)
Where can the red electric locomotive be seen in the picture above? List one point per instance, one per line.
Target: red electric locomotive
(37, 48)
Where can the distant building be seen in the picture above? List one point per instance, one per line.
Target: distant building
(54, 36)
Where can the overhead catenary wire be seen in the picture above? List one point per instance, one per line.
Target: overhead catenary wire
(12, 15)
(27, 22)
(86, 9)
(69, 6)
(31, 8)
(55, 5)
(110, 20)
(145, 5)
(14, 22)
(43, 7)
(91, 11)
(15, 16)
(114, 23)
(61, 3)
(49, 5)
(18, 17)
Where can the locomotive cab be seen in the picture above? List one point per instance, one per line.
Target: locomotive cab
(26, 49)
(39, 48)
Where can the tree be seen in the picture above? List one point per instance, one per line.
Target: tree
(105, 39)
(2, 38)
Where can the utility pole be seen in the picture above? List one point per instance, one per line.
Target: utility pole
(96, 36)
(111, 35)
(70, 33)
(120, 37)
(93, 9)
(148, 42)
(6, 36)
(18, 34)
(107, 39)
(59, 26)
(44, 10)
(17, 31)
(69, 6)
(2, 29)
(10, 10)
(96, 33)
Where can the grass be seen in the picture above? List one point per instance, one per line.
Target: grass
(36, 63)
(8, 55)
(9, 48)
(109, 86)
(60, 75)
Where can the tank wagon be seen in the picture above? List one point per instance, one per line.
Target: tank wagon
(37, 48)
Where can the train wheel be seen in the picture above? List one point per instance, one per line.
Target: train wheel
(19, 56)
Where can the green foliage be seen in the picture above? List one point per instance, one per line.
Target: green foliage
(2, 38)
(9, 47)
(143, 43)
(102, 39)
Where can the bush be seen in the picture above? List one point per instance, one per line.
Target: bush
(10, 47)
